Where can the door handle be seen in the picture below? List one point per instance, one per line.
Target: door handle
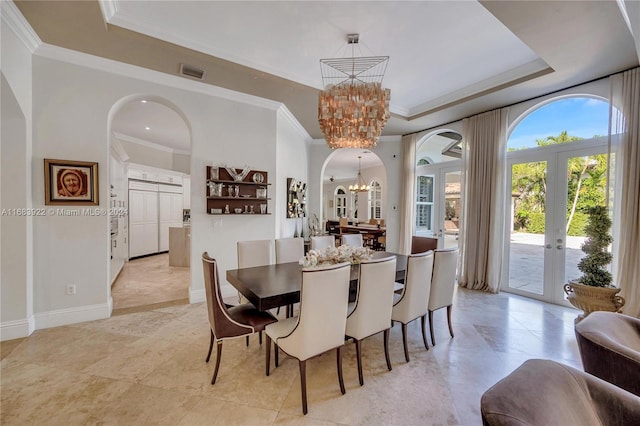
(559, 247)
(548, 246)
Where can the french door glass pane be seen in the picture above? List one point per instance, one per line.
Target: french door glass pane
(526, 248)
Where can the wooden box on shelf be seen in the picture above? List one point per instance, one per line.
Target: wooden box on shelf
(244, 197)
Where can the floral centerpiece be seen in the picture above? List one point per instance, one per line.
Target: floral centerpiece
(331, 255)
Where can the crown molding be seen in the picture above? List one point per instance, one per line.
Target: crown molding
(150, 76)
(117, 149)
(284, 113)
(148, 144)
(108, 8)
(12, 17)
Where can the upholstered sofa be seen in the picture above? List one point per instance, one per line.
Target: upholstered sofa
(610, 348)
(544, 392)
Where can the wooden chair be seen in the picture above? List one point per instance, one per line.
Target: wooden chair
(412, 303)
(443, 284)
(423, 244)
(227, 323)
(320, 327)
(371, 312)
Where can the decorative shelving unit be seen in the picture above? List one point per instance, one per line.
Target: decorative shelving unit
(250, 199)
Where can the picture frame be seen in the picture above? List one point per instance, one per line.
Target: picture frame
(68, 182)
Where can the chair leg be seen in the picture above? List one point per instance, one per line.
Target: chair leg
(449, 320)
(247, 339)
(218, 356)
(359, 358)
(423, 319)
(404, 341)
(276, 351)
(339, 365)
(260, 337)
(268, 355)
(303, 384)
(210, 346)
(433, 337)
(386, 348)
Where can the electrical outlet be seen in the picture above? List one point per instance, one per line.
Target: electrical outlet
(71, 289)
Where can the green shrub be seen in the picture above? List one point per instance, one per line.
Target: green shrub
(577, 225)
(535, 223)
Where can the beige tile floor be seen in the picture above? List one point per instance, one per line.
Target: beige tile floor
(148, 367)
(150, 281)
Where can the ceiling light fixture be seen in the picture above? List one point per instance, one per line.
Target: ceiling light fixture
(147, 128)
(359, 185)
(353, 108)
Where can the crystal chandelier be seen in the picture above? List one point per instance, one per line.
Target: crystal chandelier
(353, 108)
(359, 185)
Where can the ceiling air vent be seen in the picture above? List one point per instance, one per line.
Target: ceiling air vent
(191, 71)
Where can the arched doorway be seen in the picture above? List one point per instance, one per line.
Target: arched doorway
(339, 172)
(557, 169)
(149, 177)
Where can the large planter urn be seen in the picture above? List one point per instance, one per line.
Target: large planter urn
(590, 299)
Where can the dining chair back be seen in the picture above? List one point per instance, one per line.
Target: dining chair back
(353, 240)
(443, 284)
(321, 323)
(412, 303)
(255, 253)
(289, 250)
(374, 302)
(322, 242)
(227, 323)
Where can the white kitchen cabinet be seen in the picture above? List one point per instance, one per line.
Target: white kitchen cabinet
(186, 192)
(170, 215)
(143, 222)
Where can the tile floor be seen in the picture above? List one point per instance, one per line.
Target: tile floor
(148, 367)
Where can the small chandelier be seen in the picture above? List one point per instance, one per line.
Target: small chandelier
(359, 185)
(353, 108)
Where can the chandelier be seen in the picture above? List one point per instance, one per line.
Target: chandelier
(359, 185)
(353, 108)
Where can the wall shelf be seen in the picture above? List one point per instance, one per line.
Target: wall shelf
(249, 194)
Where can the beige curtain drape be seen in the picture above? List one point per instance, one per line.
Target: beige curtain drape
(408, 192)
(481, 238)
(624, 133)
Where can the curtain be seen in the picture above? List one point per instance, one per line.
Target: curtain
(407, 202)
(481, 239)
(624, 137)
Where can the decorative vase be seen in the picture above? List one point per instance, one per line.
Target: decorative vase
(590, 299)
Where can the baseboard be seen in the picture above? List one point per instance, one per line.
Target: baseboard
(16, 329)
(196, 296)
(72, 315)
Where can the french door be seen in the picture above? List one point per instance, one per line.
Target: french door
(551, 187)
(438, 202)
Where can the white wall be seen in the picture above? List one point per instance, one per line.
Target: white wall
(16, 232)
(72, 106)
(292, 152)
(390, 151)
(148, 156)
(181, 163)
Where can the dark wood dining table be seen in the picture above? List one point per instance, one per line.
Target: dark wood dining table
(271, 286)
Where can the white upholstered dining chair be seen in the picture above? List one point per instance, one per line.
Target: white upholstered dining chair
(371, 312)
(322, 242)
(353, 240)
(443, 284)
(321, 324)
(289, 249)
(412, 303)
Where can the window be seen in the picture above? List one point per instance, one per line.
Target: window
(340, 198)
(424, 161)
(424, 203)
(375, 200)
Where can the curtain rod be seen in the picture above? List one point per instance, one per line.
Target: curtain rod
(522, 101)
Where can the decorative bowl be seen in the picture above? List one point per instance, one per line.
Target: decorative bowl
(238, 211)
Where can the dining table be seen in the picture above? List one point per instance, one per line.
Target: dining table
(272, 286)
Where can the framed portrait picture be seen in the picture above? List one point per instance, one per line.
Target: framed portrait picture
(70, 182)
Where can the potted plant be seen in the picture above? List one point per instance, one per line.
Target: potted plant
(593, 291)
